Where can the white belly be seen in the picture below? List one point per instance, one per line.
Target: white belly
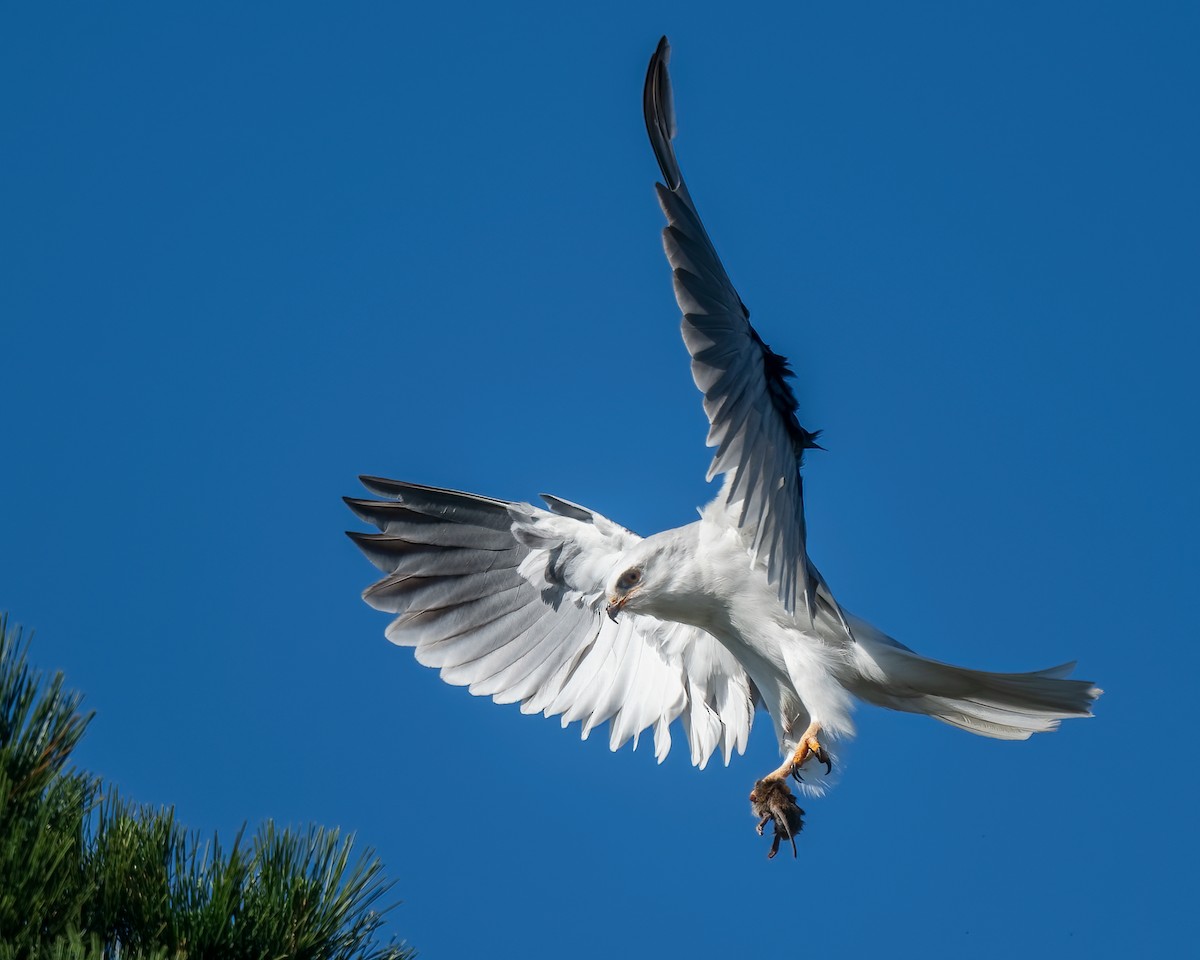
(795, 670)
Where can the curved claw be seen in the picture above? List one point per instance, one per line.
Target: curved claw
(822, 757)
(807, 747)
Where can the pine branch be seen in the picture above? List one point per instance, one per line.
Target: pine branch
(90, 878)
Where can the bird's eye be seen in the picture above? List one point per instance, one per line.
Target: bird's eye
(630, 578)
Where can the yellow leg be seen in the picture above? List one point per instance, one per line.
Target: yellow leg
(807, 747)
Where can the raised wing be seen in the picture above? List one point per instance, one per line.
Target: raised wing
(750, 405)
(507, 600)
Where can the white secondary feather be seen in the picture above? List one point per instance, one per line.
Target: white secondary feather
(708, 620)
(507, 599)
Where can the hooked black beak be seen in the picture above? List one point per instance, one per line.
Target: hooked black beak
(613, 609)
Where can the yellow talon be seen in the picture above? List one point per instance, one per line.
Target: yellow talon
(807, 747)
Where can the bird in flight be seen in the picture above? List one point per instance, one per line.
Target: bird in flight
(569, 614)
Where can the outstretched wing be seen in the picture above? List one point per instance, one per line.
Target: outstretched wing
(750, 405)
(507, 600)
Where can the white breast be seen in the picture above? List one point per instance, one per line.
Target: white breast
(795, 669)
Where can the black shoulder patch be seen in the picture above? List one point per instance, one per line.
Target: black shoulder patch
(777, 371)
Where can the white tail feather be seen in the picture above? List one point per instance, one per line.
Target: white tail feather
(1005, 706)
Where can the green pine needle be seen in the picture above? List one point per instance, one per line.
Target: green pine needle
(86, 877)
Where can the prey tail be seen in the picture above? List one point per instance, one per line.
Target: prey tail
(1005, 706)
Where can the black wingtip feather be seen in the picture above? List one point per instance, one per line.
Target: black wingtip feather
(365, 510)
(659, 113)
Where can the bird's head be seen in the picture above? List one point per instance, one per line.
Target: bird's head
(650, 576)
(624, 586)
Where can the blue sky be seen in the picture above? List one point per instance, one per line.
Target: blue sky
(250, 254)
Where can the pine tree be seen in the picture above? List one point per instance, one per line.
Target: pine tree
(86, 875)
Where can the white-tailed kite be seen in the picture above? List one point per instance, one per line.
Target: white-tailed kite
(569, 614)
